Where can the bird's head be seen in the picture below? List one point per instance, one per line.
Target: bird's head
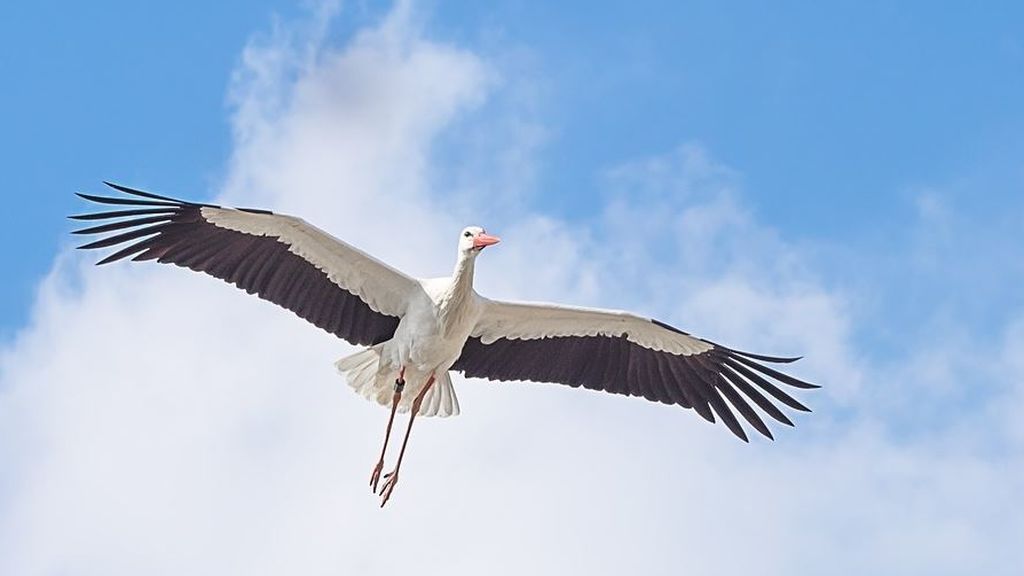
(473, 239)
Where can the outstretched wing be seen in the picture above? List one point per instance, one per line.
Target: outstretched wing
(623, 353)
(279, 258)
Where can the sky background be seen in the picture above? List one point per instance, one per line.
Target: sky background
(842, 182)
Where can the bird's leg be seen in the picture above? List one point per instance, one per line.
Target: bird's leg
(399, 386)
(391, 478)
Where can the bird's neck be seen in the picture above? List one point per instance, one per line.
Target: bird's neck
(462, 278)
(453, 301)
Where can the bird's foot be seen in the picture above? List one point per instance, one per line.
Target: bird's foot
(390, 480)
(375, 476)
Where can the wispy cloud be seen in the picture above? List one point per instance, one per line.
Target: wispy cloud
(154, 421)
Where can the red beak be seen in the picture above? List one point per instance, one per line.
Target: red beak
(482, 240)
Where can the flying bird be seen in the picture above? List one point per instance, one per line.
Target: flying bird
(416, 331)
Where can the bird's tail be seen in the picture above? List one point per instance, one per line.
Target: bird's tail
(360, 370)
(364, 374)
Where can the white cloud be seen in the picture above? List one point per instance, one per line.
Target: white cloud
(154, 421)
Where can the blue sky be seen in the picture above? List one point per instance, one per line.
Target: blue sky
(843, 182)
(837, 117)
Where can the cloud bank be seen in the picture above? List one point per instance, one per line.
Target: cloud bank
(155, 421)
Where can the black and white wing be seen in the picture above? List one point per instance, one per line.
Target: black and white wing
(279, 258)
(623, 353)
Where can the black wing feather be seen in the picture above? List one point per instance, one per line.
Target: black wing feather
(709, 382)
(175, 232)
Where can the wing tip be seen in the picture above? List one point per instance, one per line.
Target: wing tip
(751, 361)
(150, 198)
(761, 357)
(128, 190)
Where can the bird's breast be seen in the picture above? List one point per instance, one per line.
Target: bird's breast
(432, 337)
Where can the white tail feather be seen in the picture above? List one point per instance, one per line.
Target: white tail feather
(364, 374)
(440, 399)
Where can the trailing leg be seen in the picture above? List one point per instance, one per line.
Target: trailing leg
(399, 386)
(391, 478)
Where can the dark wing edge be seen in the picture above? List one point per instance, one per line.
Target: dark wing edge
(718, 381)
(153, 227)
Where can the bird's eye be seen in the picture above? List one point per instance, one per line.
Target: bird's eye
(467, 234)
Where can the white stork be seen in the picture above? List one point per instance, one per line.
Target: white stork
(417, 330)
